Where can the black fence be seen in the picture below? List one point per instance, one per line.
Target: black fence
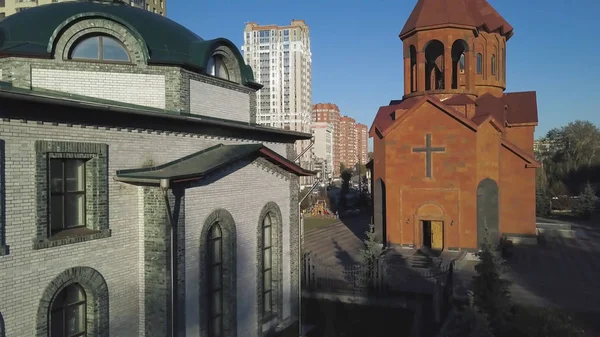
(380, 279)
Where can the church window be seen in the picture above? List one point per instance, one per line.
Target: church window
(217, 67)
(479, 63)
(67, 194)
(493, 64)
(101, 48)
(68, 316)
(267, 266)
(215, 281)
(71, 192)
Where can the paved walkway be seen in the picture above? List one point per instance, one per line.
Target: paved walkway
(337, 244)
(563, 273)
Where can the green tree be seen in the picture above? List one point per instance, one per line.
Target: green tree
(585, 203)
(370, 255)
(491, 293)
(307, 202)
(543, 204)
(342, 167)
(345, 188)
(360, 169)
(467, 321)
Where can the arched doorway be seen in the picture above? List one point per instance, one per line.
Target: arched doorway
(487, 212)
(379, 206)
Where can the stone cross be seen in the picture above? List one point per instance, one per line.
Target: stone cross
(428, 150)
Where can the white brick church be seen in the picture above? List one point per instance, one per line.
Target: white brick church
(138, 197)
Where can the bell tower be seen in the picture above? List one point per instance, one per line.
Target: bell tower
(454, 47)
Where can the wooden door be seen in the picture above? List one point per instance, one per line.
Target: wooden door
(437, 235)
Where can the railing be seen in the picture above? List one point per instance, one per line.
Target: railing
(380, 278)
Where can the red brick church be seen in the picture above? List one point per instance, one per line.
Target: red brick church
(453, 159)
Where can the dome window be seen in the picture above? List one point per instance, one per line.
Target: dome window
(217, 67)
(100, 48)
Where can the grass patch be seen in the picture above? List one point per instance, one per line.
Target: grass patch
(315, 223)
(542, 322)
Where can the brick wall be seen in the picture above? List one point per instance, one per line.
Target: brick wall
(25, 272)
(140, 89)
(215, 101)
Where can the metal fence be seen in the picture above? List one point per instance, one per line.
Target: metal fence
(381, 279)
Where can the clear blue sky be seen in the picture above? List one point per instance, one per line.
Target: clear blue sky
(357, 55)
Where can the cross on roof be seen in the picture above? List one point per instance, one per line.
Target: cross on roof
(428, 150)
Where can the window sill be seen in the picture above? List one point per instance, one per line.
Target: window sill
(70, 236)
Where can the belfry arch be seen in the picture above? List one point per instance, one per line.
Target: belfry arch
(459, 63)
(434, 65)
(413, 68)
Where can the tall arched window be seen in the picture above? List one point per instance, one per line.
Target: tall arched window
(479, 63)
(267, 271)
(217, 67)
(100, 48)
(68, 316)
(493, 64)
(215, 281)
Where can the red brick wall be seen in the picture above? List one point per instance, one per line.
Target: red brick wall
(451, 194)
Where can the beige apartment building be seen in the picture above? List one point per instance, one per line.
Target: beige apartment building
(323, 148)
(281, 59)
(9, 7)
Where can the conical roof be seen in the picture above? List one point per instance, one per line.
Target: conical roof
(474, 13)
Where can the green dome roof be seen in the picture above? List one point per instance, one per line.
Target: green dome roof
(32, 32)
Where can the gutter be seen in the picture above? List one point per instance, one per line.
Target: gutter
(300, 241)
(165, 186)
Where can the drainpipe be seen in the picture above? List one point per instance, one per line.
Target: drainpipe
(312, 142)
(164, 186)
(300, 241)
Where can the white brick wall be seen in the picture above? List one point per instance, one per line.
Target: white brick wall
(25, 273)
(140, 89)
(211, 100)
(233, 193)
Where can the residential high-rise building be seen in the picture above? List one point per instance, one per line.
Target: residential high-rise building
(9, 7)
(362, 143)
(348, 141)
(323, 148)
(330, 113)
(281, 59)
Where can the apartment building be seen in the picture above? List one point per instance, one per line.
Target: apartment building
(330, 113)
(348, 139)
(323, 148)
(362, 143)
(281, 59)
(9, 7)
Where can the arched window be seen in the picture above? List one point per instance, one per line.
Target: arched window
(479, 63)
(68, 316)
(215, 280)
(101, 48)
(217, 67)
(493, 64)
(267, 272)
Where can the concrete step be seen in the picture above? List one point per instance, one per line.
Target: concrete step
(549, 225)
(553, 232)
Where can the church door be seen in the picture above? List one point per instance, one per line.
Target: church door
(433, 234)
(487, 212)
(379, 208)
